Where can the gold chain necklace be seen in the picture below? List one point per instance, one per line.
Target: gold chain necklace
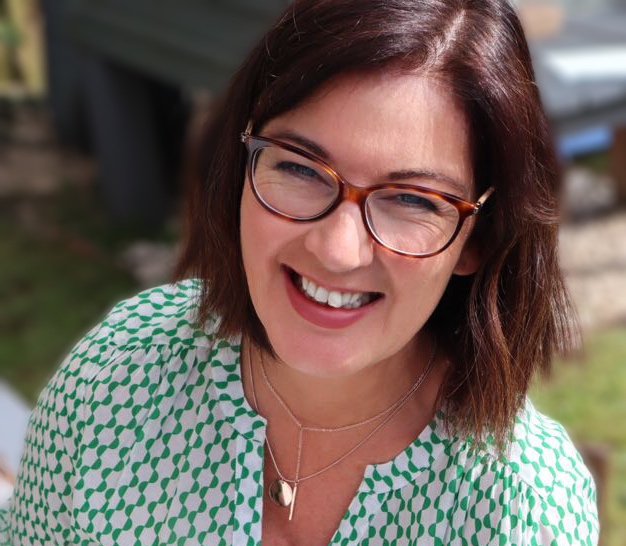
(283, 491)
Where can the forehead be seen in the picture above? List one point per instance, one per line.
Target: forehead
(371, 124)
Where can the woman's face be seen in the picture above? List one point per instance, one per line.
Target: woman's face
(373, 129)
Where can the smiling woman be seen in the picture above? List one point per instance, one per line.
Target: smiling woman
(372, 232)
(338, 252)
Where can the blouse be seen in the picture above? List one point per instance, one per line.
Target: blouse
(144, 437)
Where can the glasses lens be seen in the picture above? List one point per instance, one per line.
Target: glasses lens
(411, 221)
(292, 184)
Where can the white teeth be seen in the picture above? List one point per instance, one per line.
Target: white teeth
(311, 289)
(321, 294)
(332, 298)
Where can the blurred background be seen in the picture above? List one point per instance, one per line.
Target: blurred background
(97, 99)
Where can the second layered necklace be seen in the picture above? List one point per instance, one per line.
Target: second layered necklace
(283, 490)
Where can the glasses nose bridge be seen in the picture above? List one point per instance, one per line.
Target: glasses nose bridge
(354, 194)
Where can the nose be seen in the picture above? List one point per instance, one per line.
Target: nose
(340, 241)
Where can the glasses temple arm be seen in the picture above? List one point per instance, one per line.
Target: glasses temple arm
(484, 197)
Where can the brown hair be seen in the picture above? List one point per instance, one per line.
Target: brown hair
(501, 324)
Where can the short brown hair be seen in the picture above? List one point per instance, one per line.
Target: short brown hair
(501, 324)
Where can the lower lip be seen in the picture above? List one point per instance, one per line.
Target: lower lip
(322, 315)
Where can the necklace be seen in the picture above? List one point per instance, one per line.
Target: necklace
(283, 491)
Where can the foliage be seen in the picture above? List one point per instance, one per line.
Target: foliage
(9, 36)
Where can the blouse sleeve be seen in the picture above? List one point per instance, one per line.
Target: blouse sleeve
(552, 502)
(41, 508)
(566, 516)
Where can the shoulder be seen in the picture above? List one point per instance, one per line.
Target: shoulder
(160, 315)
(562, 506)
(538, 491)
(548, 482)
(543, 455)
(148, 346)
(141, 339)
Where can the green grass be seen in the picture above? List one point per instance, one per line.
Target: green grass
(589, 398)
(598, 162)
(58, 277)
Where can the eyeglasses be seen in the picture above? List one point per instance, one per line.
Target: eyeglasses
(410, 220)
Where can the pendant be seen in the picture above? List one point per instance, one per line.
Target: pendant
(293, 501)
(281, 493)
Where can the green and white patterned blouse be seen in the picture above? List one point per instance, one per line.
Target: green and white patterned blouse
(144, 437)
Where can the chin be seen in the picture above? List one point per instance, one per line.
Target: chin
(326, 360)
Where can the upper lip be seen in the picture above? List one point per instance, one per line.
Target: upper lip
(330, 286)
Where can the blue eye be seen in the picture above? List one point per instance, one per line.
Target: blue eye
(296, 169)
(415, 201)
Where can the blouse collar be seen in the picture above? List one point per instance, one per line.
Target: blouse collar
(378, 478)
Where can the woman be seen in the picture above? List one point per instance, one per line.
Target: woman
(373, 225)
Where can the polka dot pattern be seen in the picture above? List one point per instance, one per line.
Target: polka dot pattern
(144, 437)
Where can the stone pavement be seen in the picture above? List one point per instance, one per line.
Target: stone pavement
(593, 255)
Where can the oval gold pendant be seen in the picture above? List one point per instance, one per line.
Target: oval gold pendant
(280, 492)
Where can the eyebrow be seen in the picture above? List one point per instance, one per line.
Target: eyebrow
(394, 176)
(457, 186)
(303, 142)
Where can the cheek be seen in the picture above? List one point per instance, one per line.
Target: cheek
(245, 226)
(246, 211)
(425, 289)
(420, 285)
(252, 240)
(263, 238)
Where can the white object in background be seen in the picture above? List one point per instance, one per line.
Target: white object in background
(6, 490)
(588, 63)
(14, 415)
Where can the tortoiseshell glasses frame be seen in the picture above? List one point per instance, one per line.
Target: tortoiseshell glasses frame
(359, 195)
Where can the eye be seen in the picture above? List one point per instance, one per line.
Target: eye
(414, 200)
(297, 169)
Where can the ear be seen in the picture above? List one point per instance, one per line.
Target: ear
(469, 260)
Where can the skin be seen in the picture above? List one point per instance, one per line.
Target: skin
(370, 125)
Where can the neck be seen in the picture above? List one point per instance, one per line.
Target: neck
(340, 401)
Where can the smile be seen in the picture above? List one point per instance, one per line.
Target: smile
(332, 298)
